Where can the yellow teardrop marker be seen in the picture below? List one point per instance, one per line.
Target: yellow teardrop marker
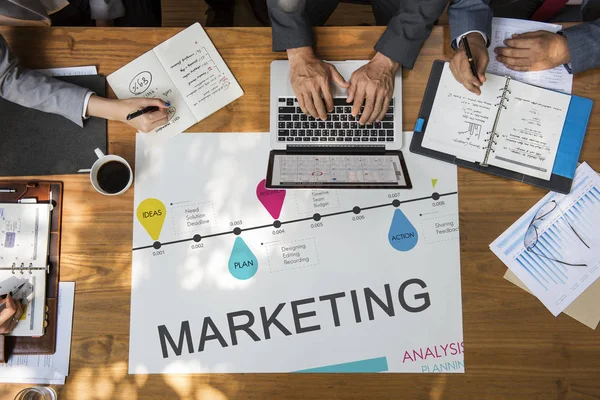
(151, 213)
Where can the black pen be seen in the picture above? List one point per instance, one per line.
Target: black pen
(15, 292)
(143, 111)
(470, 56)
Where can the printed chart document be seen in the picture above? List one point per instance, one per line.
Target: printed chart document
(557, 78)
(186, 71)
(569, 234)
(52, 368)
(511, 125)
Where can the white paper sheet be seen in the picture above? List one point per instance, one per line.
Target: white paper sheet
(554, 283)
(47, 369)
(503, 28)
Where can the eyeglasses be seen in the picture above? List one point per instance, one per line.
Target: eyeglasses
(532, 237)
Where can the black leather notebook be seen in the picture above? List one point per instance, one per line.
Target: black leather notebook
(37, 143)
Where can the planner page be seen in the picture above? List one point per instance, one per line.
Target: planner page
(28, 287)
(146, 77)
(460, 122)
(24, 235)
(529, 130)
(198, 71)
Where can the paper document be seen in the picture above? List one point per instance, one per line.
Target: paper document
(47, 369)
(70, 71)
(563, 255)
(503, 28)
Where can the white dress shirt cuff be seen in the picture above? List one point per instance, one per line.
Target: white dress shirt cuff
(458, 39)
(84, 113)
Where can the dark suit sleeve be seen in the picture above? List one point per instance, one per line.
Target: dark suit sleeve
(291, 25)
(408, 30)
(584, 46)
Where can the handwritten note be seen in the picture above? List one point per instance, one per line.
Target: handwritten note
(460, 122)
(186, 71)
(529, 130)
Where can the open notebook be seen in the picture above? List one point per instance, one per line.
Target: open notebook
(512, 129)
(24, 240)
(185, 71)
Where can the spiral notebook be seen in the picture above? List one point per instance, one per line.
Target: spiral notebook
(24, 244)
(512, 129)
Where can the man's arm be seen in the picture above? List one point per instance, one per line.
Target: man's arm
(105, 10)
(409, 28)
(34, 90)
(584, 46)
(468, 16)
(291, 26)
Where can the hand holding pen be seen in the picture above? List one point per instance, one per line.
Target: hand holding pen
(10, 313)
(470, 61)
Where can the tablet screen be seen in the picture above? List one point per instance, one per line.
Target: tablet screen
(334, 170)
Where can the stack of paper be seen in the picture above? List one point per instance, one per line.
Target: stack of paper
(47, 369)
(565, 259)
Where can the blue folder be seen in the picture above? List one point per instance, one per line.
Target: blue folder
(567, 155)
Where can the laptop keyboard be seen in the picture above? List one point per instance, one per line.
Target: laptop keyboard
(340, 126)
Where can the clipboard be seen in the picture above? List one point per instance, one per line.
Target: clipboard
(567, 156)
(42, 192)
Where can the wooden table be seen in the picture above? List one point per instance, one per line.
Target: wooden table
(515, 349)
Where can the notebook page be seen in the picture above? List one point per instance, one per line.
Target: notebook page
(24, 235)
(198, 71)
(529, 130)
(460, 121)
(145, 77)
(557, 78)
(32, 296)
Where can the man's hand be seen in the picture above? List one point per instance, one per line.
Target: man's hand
(310, 79)
(373, 85)
(459, 65)
(534, 51)
(9, 317)
(118, 110)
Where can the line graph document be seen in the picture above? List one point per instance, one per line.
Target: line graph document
(569, 234)
(503, 28)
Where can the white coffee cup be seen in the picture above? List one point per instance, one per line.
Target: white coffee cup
(101, 161)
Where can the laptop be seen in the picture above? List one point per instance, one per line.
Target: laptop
(338, 152)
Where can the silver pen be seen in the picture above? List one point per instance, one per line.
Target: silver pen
(6, 190)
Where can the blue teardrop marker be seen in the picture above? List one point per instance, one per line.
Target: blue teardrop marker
(402, 236)
(242, 263)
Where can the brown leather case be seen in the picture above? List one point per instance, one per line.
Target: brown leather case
(43, 192)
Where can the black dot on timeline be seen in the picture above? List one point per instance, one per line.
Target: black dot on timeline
(277, 224)
(156, 245)
(435, 196)
(237, 231)
(317, 217)
(197, 238)
(396, 203)
(356, 210)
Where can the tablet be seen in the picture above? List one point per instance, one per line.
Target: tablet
(335, 170)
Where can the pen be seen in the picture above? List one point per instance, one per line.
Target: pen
(7, 190)
(144, 110)
(469, 56)
(13, 293)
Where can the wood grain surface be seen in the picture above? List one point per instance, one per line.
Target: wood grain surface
(515, 349)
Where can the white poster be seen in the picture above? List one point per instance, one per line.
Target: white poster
(231, 277)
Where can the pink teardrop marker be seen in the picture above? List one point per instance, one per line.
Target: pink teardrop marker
(271, 199)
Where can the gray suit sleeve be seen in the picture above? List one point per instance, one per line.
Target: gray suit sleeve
(291, 26)
(34, 90)
(469, 15)
(408, 30)
(106, 9)
(584, 45)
